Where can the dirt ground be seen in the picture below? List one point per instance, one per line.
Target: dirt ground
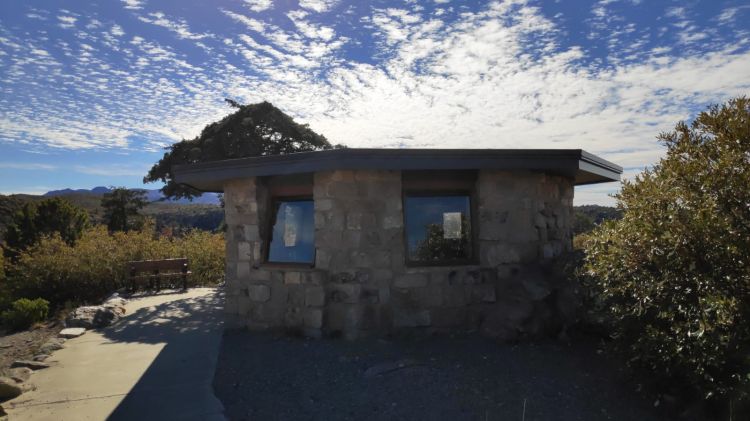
(263, 376)
(23, 345)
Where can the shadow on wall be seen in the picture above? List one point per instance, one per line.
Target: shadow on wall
(178, 383)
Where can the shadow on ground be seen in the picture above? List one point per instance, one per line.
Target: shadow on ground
(177, 384)
(262, 376)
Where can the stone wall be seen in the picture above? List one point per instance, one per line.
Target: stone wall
(360, 284)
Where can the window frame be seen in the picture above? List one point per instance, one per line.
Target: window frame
(438, 192)
(275, 202)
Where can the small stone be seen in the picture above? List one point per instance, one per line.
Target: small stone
(72, 332)
(34, 365)
(40, 357)
(9, 389)
(52, 345)
(20, 374)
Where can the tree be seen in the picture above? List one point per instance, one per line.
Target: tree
(121, 207)
(673, 274)
(252, 130)
(34, 220)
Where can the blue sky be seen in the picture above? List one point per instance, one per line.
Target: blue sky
(90, 92)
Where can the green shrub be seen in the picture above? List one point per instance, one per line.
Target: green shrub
(24, 313)
(673, 275)
(95, 266)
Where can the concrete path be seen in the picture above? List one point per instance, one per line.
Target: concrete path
(157, 363)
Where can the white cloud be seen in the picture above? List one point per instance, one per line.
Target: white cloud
(259, 5)
(178, 26)
(67, 22)
(318, 5)
(112, 170)
(133, 4)
(27, 166)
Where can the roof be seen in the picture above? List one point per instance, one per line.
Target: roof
(584, 167)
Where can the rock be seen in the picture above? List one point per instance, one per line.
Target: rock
(72, 332)
(9, 389)
(40, 357)
(94, 316)
(52, 345)
(20, 374)
(3, 414)
(34, 365)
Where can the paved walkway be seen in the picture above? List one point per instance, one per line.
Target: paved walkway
(157, 363)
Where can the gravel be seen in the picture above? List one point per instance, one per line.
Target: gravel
(266, 376)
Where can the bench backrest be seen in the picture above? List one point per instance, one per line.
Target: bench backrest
(160, 265)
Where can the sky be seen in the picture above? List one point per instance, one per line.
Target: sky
(92, 92)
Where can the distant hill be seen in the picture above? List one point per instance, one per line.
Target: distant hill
(203, 212)
(151, 195)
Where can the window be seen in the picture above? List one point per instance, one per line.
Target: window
(438, 228)
(292, 232)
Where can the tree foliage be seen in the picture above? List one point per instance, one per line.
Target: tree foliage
(253, 130)
(35, 220)
(673, 274)
(436, 248)
(121, 207)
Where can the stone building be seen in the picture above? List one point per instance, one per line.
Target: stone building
(357, 242)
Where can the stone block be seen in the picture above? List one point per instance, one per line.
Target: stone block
(322, 259)
(494, 254)
(292, 278)
(323, 204)
(411, 280)
(454, 296)
(259, 293)
(317, 277)
(315, 296)
(449, 317)
(244, 251)
(354, 221)
(384, 295)
(295, 296)
(345, 293)
(405, 318)
(251, 233)
(351, 239)
(392, 221)
(243, 271)
(361, 259)
(483, 293)
(341, 189)
(430, 296)
(341, 317)
(293, 318)
(314, 318)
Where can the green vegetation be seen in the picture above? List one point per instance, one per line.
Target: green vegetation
(121, 207)
(672, 275)
(50, 216)
(587, 217)
(95, 266)
(23, 313)
(253, 130)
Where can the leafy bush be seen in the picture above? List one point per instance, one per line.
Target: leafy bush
(673, 275)
(24, 313)
(35, 220)
(96, 265)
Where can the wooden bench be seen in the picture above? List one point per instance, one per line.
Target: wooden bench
(154, 271)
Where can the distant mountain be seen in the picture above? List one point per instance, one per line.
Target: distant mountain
(151, 195)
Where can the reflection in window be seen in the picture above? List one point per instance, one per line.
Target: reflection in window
(438, 228)
(293, 233)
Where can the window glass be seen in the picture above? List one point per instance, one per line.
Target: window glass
(438, 228)
(293, 233)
